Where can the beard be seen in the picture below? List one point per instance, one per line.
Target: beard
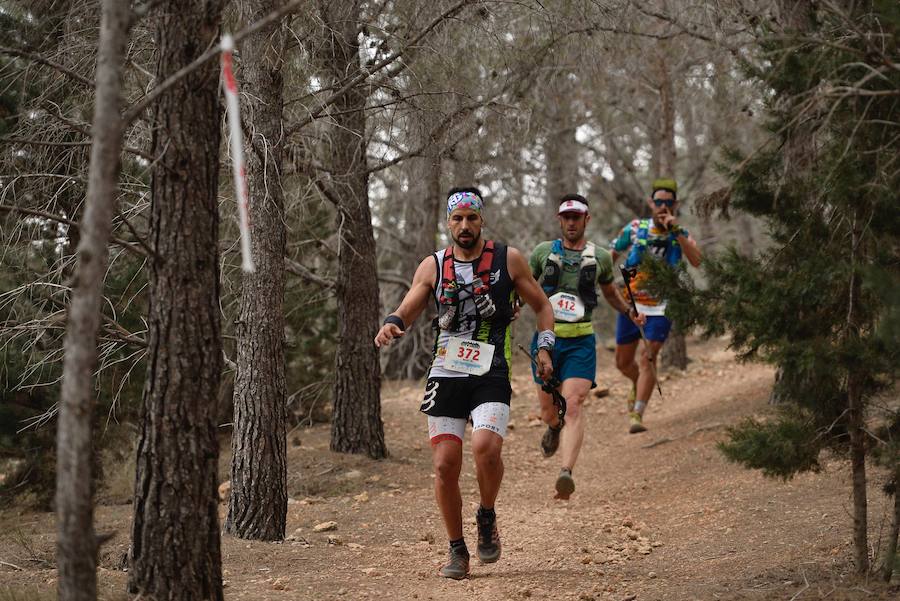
(573, 236)
(468, 243)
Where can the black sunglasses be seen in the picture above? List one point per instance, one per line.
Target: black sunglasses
(669, 202)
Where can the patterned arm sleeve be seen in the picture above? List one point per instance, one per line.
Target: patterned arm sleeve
(622, 243)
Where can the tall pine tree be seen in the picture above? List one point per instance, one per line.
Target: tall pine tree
(817, 302)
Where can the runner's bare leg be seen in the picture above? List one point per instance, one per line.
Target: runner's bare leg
(575, 391)
(625, 360)
(447, 459)
(549, 413)
(647, 379)
(486, 448)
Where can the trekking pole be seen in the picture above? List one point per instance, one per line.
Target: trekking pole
(627, 274)
(550, 387)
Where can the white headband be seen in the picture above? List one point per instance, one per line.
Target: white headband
(573, 206)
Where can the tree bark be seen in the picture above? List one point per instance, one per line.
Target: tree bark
(76, 544)
(356, 425)
(258, 504)
(890, 555)
(856, 418)
(175, 549)
(674, 352)
(560, 151)
(856, 430)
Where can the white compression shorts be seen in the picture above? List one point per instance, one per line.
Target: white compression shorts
(487, 416)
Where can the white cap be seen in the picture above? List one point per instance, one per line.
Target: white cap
(573, 206)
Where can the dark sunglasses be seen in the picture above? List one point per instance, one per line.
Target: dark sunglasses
(669, 202)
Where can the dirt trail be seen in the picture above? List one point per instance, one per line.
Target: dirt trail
(656, 516)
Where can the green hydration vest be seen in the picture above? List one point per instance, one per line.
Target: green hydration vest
(587, 273)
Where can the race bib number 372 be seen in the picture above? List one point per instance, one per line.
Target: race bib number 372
(468, 356)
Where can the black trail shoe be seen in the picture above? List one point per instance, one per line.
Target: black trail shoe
(550, 439)
(488, 537)
(457, 567)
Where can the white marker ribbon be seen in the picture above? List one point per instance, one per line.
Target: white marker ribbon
(236, 138)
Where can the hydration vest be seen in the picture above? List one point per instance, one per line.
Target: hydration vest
(490, 261)
(587, 273)
(673, 250)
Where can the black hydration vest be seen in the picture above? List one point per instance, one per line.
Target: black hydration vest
(490, 275)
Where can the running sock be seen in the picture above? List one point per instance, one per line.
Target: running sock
(639, 407)
(459, 545)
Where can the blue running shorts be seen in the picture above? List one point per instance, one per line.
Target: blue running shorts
(572, 358)
(656, 329)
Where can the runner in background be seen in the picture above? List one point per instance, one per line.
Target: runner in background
(569, 270)
(665, 239)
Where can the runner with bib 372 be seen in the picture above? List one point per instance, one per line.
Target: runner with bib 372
(473, 284)
(569, 270)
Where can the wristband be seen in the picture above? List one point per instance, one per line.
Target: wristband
(546, 339)
(396, 321)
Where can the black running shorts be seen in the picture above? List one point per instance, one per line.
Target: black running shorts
(456, 397)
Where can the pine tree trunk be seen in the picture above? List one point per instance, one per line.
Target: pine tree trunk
(561, 152)
(858, 470)
(258, 503)
(76, 543)
(356, 425)
(667, 154)
(890, 555)
(856, 420)
(674, 352)
(175, 552)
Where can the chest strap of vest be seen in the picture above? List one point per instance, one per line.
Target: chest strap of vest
(552, 269)
(449, 286)
(587, 275)
(483, 271)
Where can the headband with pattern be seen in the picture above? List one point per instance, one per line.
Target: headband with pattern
(464, 200)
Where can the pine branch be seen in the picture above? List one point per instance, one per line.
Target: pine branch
(141, 105)
(140, 249)
(306, 274)
(45, 61)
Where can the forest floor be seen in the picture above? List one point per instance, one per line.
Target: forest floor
(656, 516)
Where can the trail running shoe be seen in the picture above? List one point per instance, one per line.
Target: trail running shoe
(458, 565)
(637, 425)
(631, 396)
(565, 484)
(550, 439)
(488, 538)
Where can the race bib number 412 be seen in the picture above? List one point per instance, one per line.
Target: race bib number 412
(567, 307)
(468, 356)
